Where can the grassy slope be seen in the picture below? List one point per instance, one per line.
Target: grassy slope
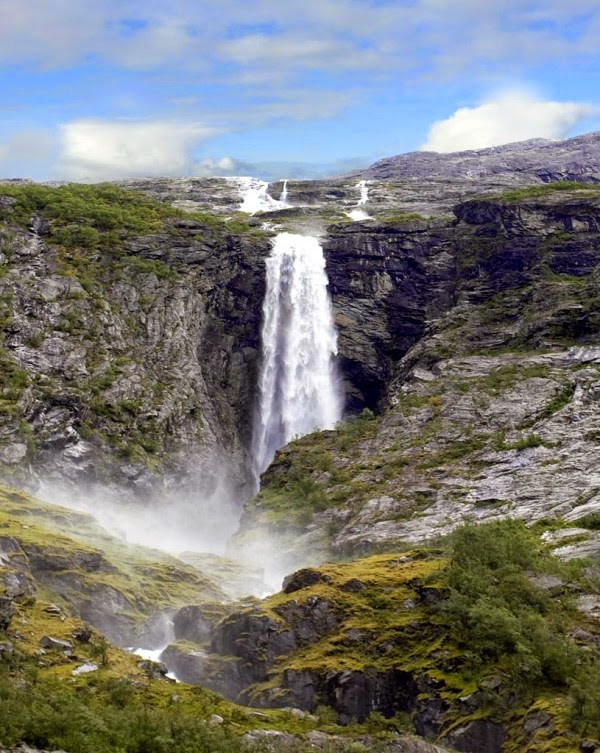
(456, 617)
(118, 707)
(147, 580)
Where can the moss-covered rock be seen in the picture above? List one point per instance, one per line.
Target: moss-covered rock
(127, 592)
(472, 642)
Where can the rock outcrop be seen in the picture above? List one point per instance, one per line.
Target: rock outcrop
(390, 646)
(129, 593)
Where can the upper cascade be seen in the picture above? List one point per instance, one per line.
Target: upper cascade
(255, 196)
(298, 388)
(359, 214)
(364, 192)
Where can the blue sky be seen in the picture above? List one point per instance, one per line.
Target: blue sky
(94, 91)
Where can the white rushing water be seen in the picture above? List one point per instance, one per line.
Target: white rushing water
(364, 192)
(284, 193)
(298, 388)
(359, 214)
(255, 196)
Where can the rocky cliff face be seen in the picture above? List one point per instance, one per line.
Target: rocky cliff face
(132, 366)
(129, 344)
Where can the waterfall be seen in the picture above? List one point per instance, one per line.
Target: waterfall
(298, 389)
(255, 196)
(359, 214)
(364, 192)
(284, 194)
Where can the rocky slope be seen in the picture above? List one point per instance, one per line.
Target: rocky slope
(63, 685)
(480, 338)
(425, 183)
(129, 335)
(531, 161)
(477, 643)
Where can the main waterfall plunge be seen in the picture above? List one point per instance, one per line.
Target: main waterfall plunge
(298, 387)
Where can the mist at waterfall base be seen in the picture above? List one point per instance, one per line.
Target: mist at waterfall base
(175, 520)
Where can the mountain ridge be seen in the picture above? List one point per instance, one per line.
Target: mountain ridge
(539, 159)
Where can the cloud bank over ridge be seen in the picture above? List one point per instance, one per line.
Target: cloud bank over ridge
(513, 116)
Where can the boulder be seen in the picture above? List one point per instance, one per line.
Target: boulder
(480, 736)
(55, 644)
(191, 624)
(8, 610)
(303, 578)
(185, 663)
(156, 670)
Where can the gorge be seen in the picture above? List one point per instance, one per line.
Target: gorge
(389, 377)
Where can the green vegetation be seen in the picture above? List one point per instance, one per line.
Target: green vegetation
(557, 403)
(149, 266)
(505, 377)
(101, 216)
(526, 442)
(290, 495)
(544, 189)
(496, 612)
(470, 617)
(13, 381)
(404, 217)
(591, 522)
(103, 717)
(86, 216)
(119, 707)
(466, 617)
(144, 580)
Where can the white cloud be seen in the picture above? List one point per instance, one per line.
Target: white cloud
(94, 150)
(513, 116)
(431, 35)
(303, 51)
(252, 55)
(225, 163)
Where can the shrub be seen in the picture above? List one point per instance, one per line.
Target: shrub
(497, 613)
(100, 216)
(49, 714)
